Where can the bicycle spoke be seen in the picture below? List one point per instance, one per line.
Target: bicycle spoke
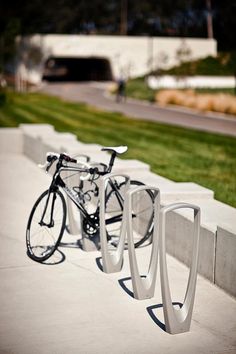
(46, 226)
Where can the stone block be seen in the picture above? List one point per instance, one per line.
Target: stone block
(225, 270)
(184, 192)
(11, 140)
(179, 238)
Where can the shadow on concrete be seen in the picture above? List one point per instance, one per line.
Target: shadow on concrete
(125, 287)
(75, 244)
(56, 258)
(99, 263)
(151, 312)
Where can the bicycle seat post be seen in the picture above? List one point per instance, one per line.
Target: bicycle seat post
(114, 152)
(111, 162)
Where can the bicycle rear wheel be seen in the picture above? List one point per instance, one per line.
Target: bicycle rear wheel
(46, 225)
(142, 214)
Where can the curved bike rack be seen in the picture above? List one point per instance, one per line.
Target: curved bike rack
(112, 262)
(178, 320)
(143, 288)
(73, 223)
(75, 218)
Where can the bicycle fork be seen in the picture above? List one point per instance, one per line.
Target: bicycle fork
(51, 223)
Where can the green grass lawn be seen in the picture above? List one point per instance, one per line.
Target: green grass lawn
(137, 88)
(176, 153)
(223, 64)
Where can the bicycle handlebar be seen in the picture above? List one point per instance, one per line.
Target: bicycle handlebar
(51, 157)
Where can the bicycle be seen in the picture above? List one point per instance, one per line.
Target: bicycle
(47, 220)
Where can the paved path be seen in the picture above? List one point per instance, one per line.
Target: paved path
(94, 94)
(73, 307)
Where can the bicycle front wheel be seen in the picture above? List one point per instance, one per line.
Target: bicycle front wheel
(46, 225)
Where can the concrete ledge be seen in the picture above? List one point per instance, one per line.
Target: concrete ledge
(96, 155)
(217, 257)
(125, 166)
(173, 191)
(179, 238)
(184, 192)
(56, 142)
(32, 146)
(225, 270)
(11, 140)
(93, 151)
(150, 178)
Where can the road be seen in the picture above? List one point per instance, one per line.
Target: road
(96, 94)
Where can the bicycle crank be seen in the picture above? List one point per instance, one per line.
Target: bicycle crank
(91, 225)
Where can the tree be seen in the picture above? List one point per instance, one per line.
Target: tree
(155, 18)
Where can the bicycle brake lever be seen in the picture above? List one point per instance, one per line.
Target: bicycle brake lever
(42, 166)
(85, 164)
(46, 166)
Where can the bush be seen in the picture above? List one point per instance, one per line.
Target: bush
(204, 102)
(223, 64)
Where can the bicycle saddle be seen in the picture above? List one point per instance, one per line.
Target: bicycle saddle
(117, 149)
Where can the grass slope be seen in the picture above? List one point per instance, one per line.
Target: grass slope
(176, 153)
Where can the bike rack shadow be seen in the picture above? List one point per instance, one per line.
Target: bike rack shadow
(125, 287)
(99, 263)
(76, 244)
(151, 309)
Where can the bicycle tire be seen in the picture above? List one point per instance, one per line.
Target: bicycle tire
(147, 233)
(40, 240)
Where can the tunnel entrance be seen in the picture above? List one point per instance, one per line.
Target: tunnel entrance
(77, 69)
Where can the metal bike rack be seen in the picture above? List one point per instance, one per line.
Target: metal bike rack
(143, 288)
(178, 320)
(73, 223)
(75, 219)
(111, 261)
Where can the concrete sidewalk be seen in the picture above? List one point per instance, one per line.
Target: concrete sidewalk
(72, 307)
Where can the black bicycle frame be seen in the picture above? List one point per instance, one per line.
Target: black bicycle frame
(58, 182)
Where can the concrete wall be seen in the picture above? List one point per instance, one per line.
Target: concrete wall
(225, 269)
(218, 227)
(168, 81)
(179, 242)
(11, 140)
(129, 56)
